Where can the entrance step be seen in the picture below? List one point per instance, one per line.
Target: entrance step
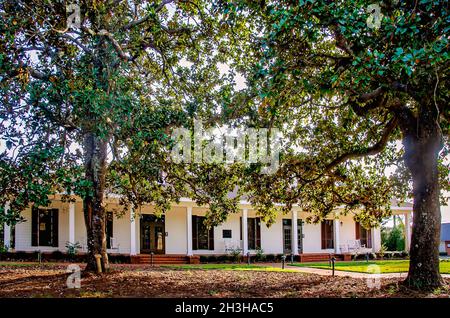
(163, 259)
(320, 257)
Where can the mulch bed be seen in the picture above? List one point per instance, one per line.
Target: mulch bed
(139, 281)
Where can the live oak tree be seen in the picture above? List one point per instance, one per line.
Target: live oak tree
(87, 109)
(344, 82)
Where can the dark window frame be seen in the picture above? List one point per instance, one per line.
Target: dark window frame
(51, 221)
(226, 233)
(364, 235)
(253, 233)
(109, 228)
(327, 234)
(199, 226)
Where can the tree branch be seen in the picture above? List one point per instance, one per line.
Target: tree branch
(359, 153)
(147, 17)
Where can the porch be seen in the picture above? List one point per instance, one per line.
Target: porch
(179, 235)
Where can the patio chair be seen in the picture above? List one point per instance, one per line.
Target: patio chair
(114, 245)
(230, 245)
(343, 248)
(354, 246)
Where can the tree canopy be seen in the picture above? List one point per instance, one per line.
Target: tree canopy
(89, 109)
(345, 80)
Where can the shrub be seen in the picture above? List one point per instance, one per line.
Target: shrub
(363, 256)
(57, 255)
(3, 251)
(235, 254)
(270, 258)
(260, 257)
(204, 259)
(223, 258)
(395, 240)
(119, 259)
(382, 251)
(211, 258)
(72, 249)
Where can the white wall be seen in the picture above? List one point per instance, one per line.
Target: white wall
(272, 237)
(232, 223)
(176, 241)
(176, 229)
(23, 230)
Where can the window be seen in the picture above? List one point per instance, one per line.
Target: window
(202, 237)
(109, 228)
(13, 236)
(287, 235)
(364, 235)
(2, 234)
(327, 234)
(300, 235)
(226, 233)
(44, 224)
(254, 233)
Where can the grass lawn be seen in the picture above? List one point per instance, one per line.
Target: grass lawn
(26, 264)
(230, 267)
(394, 266)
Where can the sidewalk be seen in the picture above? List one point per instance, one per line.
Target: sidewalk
(328, 272)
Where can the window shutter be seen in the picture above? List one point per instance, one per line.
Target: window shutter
(369, 238)
(211, 238)
(331, 234)
(55, 242)
(194, 232)
(109, 228)
(357, 230)
(323, 235)
(258, 232)
(240, 227)
(34, 226)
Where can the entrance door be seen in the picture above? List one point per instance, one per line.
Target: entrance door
(152, 234)
(287, 236)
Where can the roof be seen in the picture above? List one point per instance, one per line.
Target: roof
(445, 232)
(396, 203)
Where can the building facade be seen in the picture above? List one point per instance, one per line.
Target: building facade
(181, 231)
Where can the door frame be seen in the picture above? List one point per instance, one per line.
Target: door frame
(300, 235)
(155, 221)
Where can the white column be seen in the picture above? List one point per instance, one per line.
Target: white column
(7, 230)
(133, 250)
(189, 230)
(407, 231)
(294, 233)
(372, 238)
(72, 222)
(244, 232)
(337, 228)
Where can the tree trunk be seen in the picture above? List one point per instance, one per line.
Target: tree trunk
(422, 147)
(95, 149)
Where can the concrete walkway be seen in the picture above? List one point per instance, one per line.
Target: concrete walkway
(328, 272)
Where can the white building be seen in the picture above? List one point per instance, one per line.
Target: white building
(180, 232)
